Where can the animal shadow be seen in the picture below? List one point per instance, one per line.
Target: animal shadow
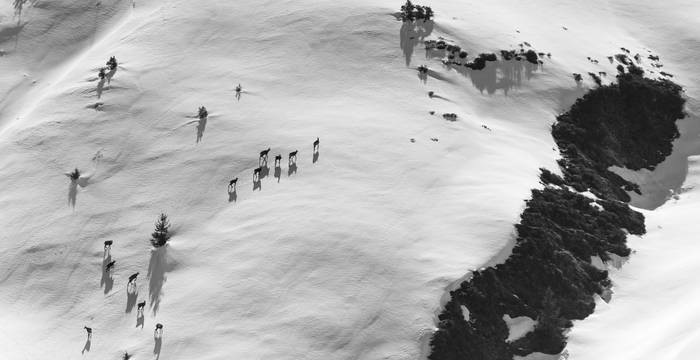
(232, 195)
(100, 88)
(131, 295)
(264, 171)
(278, 172)
(107, 279)
(139, 319)
(292, 169)
(88, 343)
(157, 346)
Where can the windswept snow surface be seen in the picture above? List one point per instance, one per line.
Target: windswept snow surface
(349, 257)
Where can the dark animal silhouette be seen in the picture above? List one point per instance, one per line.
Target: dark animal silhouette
(232, 183)
(132, 278)
(110, 265)
(108, 244)
(278, 160)
(112, 63)
(158, 330)
(256, 174)
(263, 157)
(89, 332)
(140, 306)
(316, 144)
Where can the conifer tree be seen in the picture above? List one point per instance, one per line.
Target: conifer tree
(407, 11)
(161, 235)
(75, 175)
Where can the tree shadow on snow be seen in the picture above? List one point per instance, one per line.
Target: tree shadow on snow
(411, 33)
(72, 193)
(12, 32)
(496, 75)
(156, 273)
(201, 125)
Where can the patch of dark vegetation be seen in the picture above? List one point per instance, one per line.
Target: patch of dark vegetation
(629, 124)
(595, 78)
(410, 12)
(549, 276)
(450, 116)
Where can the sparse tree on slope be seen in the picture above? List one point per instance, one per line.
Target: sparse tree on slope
(161, 235)
(407, 11)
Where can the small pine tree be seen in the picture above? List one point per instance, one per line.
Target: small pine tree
(419, 14)
(407, 11)
(161, 235)
(75, 175)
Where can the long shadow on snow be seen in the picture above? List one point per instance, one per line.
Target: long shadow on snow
(157, 267)
(411, 33)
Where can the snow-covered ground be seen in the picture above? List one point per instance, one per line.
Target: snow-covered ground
(349, 257)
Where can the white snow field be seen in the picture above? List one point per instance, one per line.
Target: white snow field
(347, 258)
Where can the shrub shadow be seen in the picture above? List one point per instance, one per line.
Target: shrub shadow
(201, 125)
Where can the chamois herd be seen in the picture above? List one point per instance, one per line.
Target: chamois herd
(258, 173)
(262, 166)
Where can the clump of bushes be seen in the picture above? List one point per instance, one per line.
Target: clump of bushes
(74, 175)
(450, 116)
(480, 61)
(410, 12)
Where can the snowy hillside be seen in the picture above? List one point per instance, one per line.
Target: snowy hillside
(351, 255)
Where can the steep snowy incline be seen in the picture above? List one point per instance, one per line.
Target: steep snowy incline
(346, 258)
(38, 40)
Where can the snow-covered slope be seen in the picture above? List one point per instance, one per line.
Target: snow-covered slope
(347, 258)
